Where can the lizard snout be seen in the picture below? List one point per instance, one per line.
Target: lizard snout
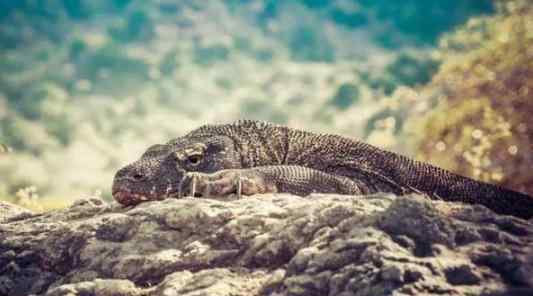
(137, 183)
(124, 184)
(131, 174)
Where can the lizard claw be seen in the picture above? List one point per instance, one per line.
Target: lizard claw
(223, 184)
(193, 185)
(191, 177)
(239, 186)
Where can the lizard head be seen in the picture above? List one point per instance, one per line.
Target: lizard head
(159, 172)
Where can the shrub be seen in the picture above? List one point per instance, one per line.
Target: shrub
(347, 94)
(406, 70)
(483, 127)
(411, 71)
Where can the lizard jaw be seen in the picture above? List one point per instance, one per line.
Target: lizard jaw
(128, 198)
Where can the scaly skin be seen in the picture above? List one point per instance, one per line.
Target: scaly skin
(249, 157)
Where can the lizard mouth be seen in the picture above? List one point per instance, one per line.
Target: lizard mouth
(129, 198)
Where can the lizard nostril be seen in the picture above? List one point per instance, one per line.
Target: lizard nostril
(137, 176)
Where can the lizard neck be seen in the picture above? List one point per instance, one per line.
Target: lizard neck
(258, 143)
(261, 144)
(324, 151)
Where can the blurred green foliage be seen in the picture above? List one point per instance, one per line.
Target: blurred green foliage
(422, 20)
(425, 20)
(169, 62)
(137, 27)
(109, 69)
(347, 94)
(208, 55)
(261, 110)
(419, 21)
(308, 43)
(411, 71)
(406, 69)
(482, 126)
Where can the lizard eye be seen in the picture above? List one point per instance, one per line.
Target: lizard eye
(194, 159)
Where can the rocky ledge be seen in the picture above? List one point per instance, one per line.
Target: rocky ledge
(266, 245)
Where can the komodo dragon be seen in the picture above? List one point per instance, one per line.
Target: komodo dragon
(249, 157)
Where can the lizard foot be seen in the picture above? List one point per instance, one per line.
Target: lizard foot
(225, 183)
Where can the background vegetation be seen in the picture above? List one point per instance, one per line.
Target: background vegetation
(87, 85)
(482, 125)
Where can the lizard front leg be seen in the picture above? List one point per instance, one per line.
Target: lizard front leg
(297, 180)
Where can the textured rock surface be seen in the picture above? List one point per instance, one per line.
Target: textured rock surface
(11, 211)
(267, 244)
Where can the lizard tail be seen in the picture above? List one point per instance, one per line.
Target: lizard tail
(440, 183)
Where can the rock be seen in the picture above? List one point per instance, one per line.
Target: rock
(274, 244)
(10, 211)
